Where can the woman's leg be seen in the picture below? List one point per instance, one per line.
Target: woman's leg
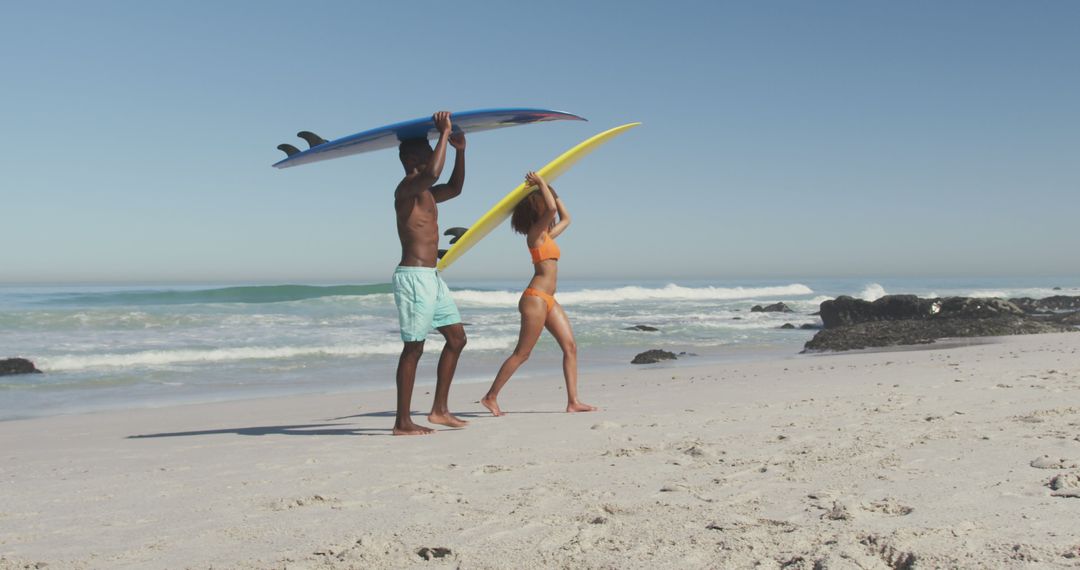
(532, 310)
(559, 326)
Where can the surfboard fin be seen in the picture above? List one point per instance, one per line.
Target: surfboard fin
(456, 232)
(288, 149)
(313, 140)
(441, 254)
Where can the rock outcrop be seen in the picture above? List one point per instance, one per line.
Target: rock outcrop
(1053, 304)
(653, 356)
(892, 320)
(773, 308)
(9, 366)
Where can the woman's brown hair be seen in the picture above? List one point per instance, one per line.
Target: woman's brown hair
(525, 215)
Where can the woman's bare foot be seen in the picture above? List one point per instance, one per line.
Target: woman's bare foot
(446, 419)
(580, 407)
(410, 428)
(492, 406)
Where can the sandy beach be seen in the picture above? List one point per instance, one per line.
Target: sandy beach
(908, 459)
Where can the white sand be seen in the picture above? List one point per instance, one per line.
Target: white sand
(915, 459)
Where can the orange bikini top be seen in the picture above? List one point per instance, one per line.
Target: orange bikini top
(548, 249)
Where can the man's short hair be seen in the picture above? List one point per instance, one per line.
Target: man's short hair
(409, 146)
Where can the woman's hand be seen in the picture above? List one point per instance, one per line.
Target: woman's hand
(535, 179)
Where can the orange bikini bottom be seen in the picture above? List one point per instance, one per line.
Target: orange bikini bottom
(549, 300)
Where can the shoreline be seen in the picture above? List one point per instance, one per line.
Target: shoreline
(545, 365)
(853, 458)
(542, 365)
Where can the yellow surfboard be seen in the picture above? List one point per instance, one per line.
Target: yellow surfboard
(505, 207)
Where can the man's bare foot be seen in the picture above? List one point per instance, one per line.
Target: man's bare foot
(446, 419)
(412, 429)
(492, 406)
(580, 407)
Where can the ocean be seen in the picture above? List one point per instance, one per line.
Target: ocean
(125, 346)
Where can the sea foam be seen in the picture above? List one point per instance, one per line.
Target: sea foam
(158, 358)
(872, 292)
(669, 292)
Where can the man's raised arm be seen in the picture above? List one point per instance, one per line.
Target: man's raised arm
(434, 166)
(453, 187)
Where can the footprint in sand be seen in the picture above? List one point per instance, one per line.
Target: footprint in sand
(695, 449)
(887, 506)
(892, 556)
(837, 512)
(627, 451)
(490, 469)
(606, 425)
(615, 510)
(314, 500)
(1046, 462)
(1065, 485)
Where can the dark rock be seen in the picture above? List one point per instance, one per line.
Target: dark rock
(432, 553)
(977, 308)
(1057, 288)
(809, 326)
(736, 318)
(10, 366)
(847, 311)
(653, 356)
(787, 326)
(925, 331)
(645, 328)
(1048, 305)
(773, 308)
(1071, 319)
(906, 319)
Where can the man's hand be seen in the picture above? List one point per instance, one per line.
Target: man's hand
(457, 140)
(442, 122)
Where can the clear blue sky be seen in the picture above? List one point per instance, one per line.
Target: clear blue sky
(780, 139)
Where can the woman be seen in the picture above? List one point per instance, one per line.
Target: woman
(535, 217)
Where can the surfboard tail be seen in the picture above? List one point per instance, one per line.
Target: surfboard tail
(288, 149)
(313, 140)
(502, 210)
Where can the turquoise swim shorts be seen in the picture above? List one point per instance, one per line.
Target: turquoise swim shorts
(423, 302)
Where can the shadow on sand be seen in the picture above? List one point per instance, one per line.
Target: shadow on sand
(483, 414)
(302, 429)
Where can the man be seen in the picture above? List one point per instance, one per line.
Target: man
(422, 297)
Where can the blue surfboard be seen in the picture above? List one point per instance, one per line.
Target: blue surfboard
(390, 135)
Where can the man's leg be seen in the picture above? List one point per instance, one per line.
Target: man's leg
(414, 321)
(406, 377)
(455, 343)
